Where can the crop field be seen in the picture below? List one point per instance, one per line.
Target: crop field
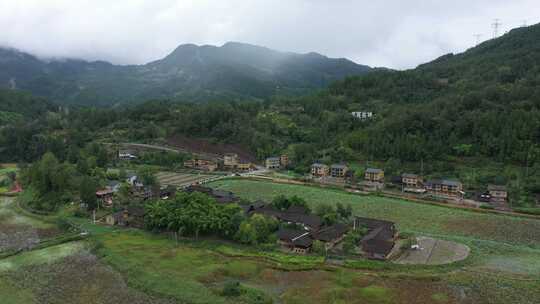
(409, 216)
(131, 266)
(180, 179)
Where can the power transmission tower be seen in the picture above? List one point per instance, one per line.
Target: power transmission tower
(524, 23)
(478, 38)
(496, 25)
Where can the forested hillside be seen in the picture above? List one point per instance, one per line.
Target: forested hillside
(16, 105)
(190, 73)
(479, 108)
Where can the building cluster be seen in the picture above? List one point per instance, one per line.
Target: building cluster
(307, 228)
(374, 180)
(231, 162)
(299, 228)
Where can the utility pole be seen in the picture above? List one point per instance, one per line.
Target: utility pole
(478, 38)
(496, 25)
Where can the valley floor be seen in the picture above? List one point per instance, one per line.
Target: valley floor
(131, 266)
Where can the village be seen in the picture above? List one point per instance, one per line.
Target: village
(300, 231)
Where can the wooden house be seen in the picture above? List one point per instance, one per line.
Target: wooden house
(296, 241)
(380, 238)
(374, 175)
(338, 170)
(244, 166)
(319, 170)
(410, 180)
(498, 193)
(284, 160)
(105, 197)
(444, 187)
(230, 160)
(201, 164)
(273, 163)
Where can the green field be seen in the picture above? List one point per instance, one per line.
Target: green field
(130, 266)
(409, 216)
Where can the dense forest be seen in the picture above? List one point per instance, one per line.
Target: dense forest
(481, 106)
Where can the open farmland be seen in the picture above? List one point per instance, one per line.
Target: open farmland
(411, 217)
(181, 180)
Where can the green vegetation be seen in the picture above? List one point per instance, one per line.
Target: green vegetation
(410, 217)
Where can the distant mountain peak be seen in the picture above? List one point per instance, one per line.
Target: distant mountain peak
(234, 70)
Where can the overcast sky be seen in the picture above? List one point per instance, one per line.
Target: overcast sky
(392, 33)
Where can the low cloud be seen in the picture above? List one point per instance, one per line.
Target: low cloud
(391, 33)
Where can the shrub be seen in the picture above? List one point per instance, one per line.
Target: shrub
(232, 289)
(63, 223)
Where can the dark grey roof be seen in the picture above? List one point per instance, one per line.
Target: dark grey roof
(309, 220)
(338, 166)
(444, 182)
(381, 233)
(496, 188)
(328, 234)
(409, 175)
(319, 165)
(371, 223)
(373, 170)
(298, 238)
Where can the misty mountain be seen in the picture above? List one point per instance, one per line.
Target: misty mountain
(190, 72)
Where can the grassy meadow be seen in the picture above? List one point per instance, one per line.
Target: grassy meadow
(117, 265)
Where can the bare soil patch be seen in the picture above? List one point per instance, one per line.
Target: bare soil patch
(203, 146)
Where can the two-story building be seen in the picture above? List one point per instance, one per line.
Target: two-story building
(230, 160)
(498, 193)
(338, 170)
(319, 170)
(444, 187)
(374, 175)
(284, 160)
(273, 163)
(412, 183)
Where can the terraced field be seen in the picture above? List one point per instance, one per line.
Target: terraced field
(182, 180)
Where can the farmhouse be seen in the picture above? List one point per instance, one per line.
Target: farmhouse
(132, 216)
(319, 170)
(273, 163)
(362, 115)
(105, 197)
(374, 175)
(201, 164)
(230, 160)
(293, 215)
(296, 241)
(221, 196)
(379, 240)
(338, 170)
(284, 160)
(331, 235)
(410, 180)
(444, 187)
(497, 193)
(126, 155)
(244, 166)
(301, 241)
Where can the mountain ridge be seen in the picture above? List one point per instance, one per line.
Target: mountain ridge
(190, 72)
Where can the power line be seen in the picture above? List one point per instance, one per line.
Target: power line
(496, 25)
